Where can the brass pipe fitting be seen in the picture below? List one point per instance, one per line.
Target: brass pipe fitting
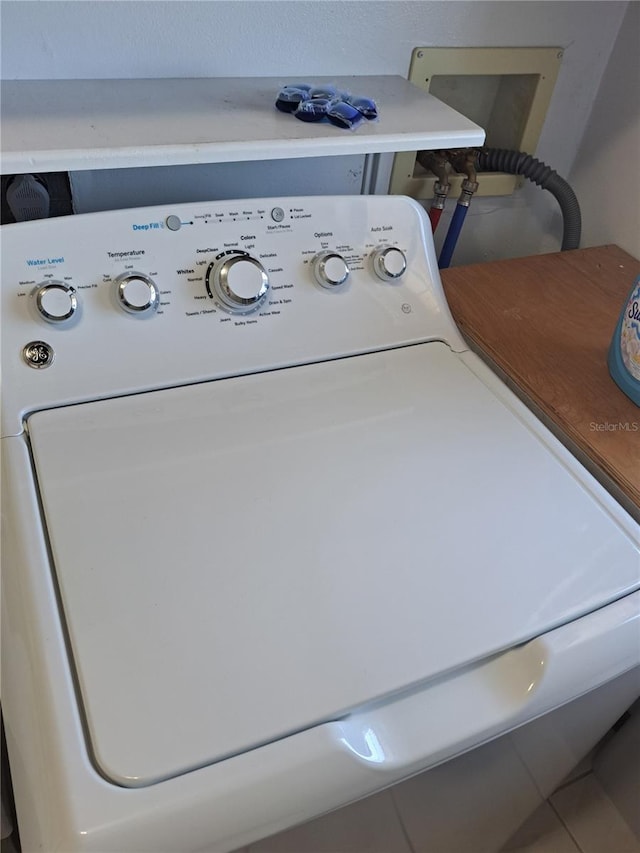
(464, 160)
(436, 162)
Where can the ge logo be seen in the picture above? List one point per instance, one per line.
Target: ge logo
(406, 308)
(38, 354)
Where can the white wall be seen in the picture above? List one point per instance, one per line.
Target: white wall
(301, 39)
(606, 174)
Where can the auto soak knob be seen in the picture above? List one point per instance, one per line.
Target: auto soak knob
(239, 283)
(330, 269)
(389, 263)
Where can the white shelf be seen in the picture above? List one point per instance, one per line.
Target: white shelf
(68, 125)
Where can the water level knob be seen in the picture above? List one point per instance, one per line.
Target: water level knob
(55, 301)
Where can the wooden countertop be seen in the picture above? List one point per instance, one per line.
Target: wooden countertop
(545, 324)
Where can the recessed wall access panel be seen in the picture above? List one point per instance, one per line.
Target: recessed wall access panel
(505, 90)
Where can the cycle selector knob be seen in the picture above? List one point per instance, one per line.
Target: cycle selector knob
(330, 269)
(389, 263)
(55, 301)
(137, 293)
(239, 282)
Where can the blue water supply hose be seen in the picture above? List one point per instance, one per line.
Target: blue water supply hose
(449, 245)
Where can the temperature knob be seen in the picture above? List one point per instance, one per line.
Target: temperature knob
(389, 263)
(239, 281)
(330, 269)
(56, 302)
(137, 293)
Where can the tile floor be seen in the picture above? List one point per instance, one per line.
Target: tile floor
(578, 818)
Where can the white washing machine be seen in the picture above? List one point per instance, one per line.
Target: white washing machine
(273, 537)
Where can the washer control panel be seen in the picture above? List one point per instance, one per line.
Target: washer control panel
(123, 301)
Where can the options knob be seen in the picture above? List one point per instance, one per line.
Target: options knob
(55, 301)
(389, 263)
(330, 269)
(240, 283)
(137, 293)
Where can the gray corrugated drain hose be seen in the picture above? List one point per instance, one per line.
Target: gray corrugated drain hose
(519, 163)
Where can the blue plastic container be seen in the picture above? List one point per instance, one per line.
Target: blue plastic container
(624, 352)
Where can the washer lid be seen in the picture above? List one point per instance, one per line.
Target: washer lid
(243, 559)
